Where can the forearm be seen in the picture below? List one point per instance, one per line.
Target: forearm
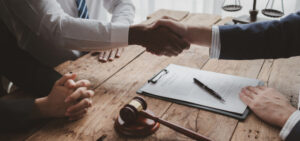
(49, 21)
(17, 114)
(200, 35)
(136, 35)
(123, 11)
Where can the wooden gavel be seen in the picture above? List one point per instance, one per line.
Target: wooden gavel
(137, 106)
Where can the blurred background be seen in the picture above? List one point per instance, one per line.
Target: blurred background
(146, 7)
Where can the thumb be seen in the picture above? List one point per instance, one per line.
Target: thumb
(64, 78)
(174, 26)
(168, 17)
(158, 23)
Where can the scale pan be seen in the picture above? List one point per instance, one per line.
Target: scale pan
(232, 8)
(272, 13)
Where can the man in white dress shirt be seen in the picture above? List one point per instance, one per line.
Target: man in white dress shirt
(51, 30)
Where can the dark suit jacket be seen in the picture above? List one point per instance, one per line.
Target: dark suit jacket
(28, 74)
(273, 39)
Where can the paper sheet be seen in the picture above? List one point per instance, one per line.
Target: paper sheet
(178, 84)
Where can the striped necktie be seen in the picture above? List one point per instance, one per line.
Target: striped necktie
(82, 9)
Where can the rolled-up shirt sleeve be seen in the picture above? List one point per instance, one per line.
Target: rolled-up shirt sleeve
(215, 49)
(47, 19)
(122, 10)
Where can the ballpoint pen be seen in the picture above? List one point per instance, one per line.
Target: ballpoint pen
(209, 90)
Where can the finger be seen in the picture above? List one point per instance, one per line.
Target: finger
(262, 87)
(168, 17)
(83, 83)
(76, 95)
(153, 52)
(106, 55)
(161, 22)
(172, 25)
(248, 93)
(64, 78)
(183, 43)
(247, 100)
(177, 43)
(70, 83)
(166, 45)
(81, 112)
(101, 54)
(84, 103)
(174, 49)
(112, 54)
(119, 52)
(82, 95)
(254, 90)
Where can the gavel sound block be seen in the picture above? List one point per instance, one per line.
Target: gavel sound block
(135, 121)
(141, 126)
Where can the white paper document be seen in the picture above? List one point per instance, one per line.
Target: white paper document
(178, 84)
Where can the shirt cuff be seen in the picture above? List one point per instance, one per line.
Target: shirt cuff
(299, 101)
(215, 49)
(119, 33)
(289, 125)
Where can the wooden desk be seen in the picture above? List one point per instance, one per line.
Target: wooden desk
(116, 83)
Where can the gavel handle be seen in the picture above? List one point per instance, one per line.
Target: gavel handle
(190, 133)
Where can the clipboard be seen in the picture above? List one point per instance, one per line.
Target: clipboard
(164, 72)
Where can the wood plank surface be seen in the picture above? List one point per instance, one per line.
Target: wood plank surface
(283, 75)
(253, 128)
(88, 66)
(116, 83)
(117, 91)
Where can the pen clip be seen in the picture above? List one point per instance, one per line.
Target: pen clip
(156, 77)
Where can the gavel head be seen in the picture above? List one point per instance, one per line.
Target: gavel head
(129, 112)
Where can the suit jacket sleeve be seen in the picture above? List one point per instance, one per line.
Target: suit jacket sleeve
(16, 114)
(28, 74)
(295, 133)
(273, 39)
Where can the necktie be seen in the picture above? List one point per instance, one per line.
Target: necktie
(82, 9)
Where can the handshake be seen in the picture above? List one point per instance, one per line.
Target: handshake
(168, 37)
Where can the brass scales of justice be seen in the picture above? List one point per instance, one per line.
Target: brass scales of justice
(269, 11)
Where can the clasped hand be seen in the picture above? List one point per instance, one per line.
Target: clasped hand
(67, 98)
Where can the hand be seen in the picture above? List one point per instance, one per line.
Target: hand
(110, 55)
(268, 104)
(200, 35)
(56, 103)
(159, 41)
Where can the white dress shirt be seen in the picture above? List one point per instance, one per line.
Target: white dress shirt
(215, 51)
(51, 29)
